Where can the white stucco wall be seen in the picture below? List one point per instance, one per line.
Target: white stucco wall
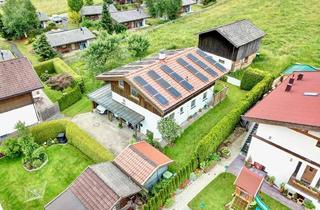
(151, 120)
(227, 63)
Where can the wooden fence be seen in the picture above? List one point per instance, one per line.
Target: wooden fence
(220, 96)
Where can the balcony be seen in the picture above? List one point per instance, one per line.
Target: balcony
(304, 187)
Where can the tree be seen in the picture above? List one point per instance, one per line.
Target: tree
(169, 129)
(103, 49)
(167, 8)
(74, 17)
(75, 5)
(119, 28)
(138, 45)
(106, 21)
(42, 48)
(19, 18)
(108, 1)
(89, 2)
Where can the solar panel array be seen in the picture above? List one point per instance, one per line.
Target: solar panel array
(153, 92)
(164, 84)
(186, 85)
(202, 65)
(211, 60)
(185, 64)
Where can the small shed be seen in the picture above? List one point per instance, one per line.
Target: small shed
(234, 45)
(186, 5)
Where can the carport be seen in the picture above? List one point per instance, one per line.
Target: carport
(103, 97)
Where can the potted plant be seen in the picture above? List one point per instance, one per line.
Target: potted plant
(308, 205)
(271, 180)
(225, 152)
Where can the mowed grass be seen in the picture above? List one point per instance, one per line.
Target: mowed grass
(291, 27)
(219, 192)
(54, 6)
(186, 143)
(81, 106)
(65, 164)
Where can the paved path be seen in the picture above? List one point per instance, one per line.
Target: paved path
(15, 50)
(182, 199)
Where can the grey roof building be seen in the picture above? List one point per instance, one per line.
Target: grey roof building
(95, 10)
(42, 17)
(6, 55)
(188, 2)
(129, 15)
(60, 38)
(102, 186)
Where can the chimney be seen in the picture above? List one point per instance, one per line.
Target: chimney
(300, 76)
(81, 29)
(291, 80)
(2, 55)
(162, 56)
(288, 88)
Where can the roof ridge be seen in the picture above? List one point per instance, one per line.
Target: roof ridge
(135, 150)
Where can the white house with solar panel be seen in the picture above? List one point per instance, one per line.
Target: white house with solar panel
(176, 84)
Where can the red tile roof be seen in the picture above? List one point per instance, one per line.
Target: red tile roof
(17, 76)
(129, 72)
(249, 181)
(293, 107)
(93, 192)
(140, 161)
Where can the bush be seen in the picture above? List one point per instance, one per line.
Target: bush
(70, 98)
(48, 130)
(86, 144)
(45, 67)
(11, 148)
(309, 205)
(250, 78)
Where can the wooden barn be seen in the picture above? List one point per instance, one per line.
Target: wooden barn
(234, 45)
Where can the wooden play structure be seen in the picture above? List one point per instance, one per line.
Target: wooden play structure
(248, 185)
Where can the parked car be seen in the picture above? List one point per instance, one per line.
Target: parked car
(58, 18)
(100, 109)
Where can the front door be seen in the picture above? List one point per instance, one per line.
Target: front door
(308, 174)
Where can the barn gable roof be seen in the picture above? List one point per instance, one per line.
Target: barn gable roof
(238, 33)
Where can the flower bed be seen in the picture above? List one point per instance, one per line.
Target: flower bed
(38, 168)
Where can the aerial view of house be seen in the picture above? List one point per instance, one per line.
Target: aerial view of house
(18, 81)
(159, 104)
(70, 40)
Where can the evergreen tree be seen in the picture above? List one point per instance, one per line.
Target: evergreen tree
(75, 5)
(89, 2)
(106, 21)
(42, 48)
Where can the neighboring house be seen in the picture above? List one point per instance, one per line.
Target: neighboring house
(234, 45)
(6, 55)
(176, 84)
(70, 40)
(2, 2)
(143, 163)
(114, 185)
(125, 1)
(131, 18)
(186, 6)
(43, 18)
(100, 187)
(17, 81)
(286, 143)
(94, 12)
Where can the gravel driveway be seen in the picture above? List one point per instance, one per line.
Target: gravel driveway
(106, 132)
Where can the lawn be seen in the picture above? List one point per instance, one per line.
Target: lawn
(292, 29)
(186, 143)
(219, 192)
(65, 164)
(26, 49)
(53, 6)
(83, 105)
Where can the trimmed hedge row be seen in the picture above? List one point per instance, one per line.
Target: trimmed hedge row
(70, 98)
(76, 137)
(250, 78)
(210, 143)
(46, 66)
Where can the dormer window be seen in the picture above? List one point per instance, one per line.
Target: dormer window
(121, 83)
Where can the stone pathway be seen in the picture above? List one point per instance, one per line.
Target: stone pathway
(182, 199)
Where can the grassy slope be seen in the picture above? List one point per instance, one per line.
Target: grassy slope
(219, 192)
(185, 145)
(291, 28)
(65, 164)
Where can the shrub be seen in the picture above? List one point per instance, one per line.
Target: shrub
(169, 129)
(250, 78)
(86, 144)
(11, 148)
(60, 81)
(45, 67)
(308, 204)
(70, 98)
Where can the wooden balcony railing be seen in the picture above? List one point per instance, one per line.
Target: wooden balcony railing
(304, 188)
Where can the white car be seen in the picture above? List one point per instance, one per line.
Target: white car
(100, 109)
(57, 18)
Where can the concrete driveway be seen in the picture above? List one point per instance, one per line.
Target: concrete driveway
(106, 132)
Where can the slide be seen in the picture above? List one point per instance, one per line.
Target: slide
(261, 204)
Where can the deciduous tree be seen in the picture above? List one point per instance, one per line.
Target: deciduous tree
(75, 5)
(164, 8)
(169, 129)
(138, 45)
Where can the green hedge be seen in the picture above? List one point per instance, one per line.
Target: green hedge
(210, 143)
(250, 78)
(45, 66)
(70, 98)
(76, 137)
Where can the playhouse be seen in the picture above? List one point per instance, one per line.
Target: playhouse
(248, 185)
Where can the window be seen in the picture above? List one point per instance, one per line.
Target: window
(246, 59)
(181, 110)
(134, 92)
(193, 103)
(221, 61)
(121, 83)
(171, 116)
(204, 96)
(318, 144)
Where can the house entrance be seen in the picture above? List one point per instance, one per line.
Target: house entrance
(308, 174)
